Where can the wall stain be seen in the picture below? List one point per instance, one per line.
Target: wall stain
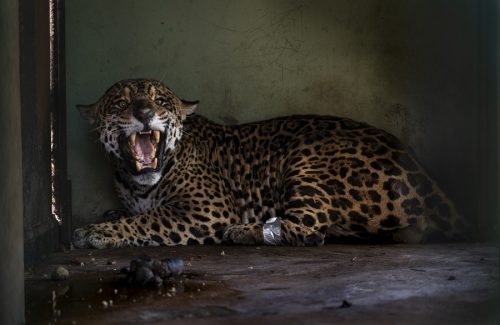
(229, 120)
(230, 108)
(401, 118)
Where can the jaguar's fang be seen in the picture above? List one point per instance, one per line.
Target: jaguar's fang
(156, 135)
(132, 139)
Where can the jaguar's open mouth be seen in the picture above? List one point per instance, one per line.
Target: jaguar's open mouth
(143, 150)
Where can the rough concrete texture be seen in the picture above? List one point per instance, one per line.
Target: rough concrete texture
(409, 67)
(11, 204)
(393, 284)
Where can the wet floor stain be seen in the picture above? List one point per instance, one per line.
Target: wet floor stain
(50, 302)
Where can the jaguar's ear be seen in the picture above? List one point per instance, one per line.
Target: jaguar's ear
(188, 107)
(89, 112)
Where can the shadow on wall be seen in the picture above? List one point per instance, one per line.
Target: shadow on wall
(412, 69)
(428, 68)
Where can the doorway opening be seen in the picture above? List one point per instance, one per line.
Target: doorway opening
(46, 189)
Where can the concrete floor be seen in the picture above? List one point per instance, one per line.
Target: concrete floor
(390, 284)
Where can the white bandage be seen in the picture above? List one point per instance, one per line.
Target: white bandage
(272, 231)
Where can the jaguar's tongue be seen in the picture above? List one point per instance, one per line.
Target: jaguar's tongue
(144, 148)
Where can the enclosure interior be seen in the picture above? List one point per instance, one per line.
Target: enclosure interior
(423, 70)
(414, 68)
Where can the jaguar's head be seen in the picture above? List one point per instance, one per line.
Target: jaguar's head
(139, 121)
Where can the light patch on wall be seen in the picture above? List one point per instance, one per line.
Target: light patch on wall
(55, 212)
(52, 30)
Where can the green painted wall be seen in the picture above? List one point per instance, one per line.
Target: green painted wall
(11, 195)
(409, 67)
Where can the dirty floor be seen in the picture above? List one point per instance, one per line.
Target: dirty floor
(390, 284)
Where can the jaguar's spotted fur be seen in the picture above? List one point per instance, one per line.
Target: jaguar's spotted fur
(187, 180)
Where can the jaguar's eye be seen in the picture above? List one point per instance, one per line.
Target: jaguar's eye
(161, 102)
(122, 104)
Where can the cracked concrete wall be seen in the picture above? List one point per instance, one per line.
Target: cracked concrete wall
(409, 67)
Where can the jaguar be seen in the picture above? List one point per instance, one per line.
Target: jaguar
(296, 180)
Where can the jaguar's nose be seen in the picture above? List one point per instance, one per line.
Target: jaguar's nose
(144, 115)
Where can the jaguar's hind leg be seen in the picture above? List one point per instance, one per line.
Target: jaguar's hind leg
(244, 234)
(298, 235)
(290, 234)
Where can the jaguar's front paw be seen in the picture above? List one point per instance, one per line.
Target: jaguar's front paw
(92, 236)
(80, 238)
